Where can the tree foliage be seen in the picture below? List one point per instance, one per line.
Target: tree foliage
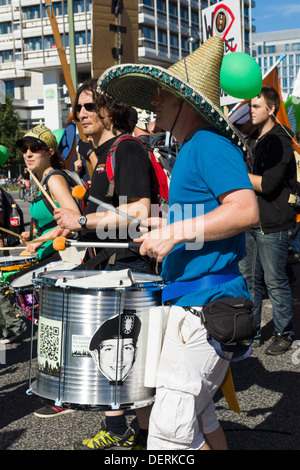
(10, 131)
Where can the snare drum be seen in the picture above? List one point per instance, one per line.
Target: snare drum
(26, 295)
(92, 337)
(16, 263)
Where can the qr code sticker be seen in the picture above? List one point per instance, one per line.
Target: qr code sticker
(49, 346)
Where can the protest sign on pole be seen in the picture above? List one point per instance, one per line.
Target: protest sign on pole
(223, 19)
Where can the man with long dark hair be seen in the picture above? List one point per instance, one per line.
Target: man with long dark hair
(103, 120)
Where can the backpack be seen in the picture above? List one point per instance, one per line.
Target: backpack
(73, 180)
(161, 173)
(8, 201)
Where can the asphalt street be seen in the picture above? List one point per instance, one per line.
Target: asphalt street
(267, 389)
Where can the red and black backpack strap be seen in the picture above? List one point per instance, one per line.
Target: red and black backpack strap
(111, 161)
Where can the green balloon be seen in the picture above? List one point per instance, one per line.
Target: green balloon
(58, 134)
(240, 75)
(3, 154)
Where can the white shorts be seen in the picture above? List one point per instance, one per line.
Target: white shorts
(189, 374)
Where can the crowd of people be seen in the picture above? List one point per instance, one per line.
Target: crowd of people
(234, 246)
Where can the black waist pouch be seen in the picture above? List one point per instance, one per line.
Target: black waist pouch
(230, 320)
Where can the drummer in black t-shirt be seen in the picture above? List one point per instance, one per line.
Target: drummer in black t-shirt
(103, 120)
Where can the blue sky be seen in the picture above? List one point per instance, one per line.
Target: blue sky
(276, 15)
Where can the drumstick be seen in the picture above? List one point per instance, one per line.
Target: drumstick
(25, 253)
(37, 240)
(9, 231)
(61, 243)
(4, 248)
(79, 192)
(42, 189)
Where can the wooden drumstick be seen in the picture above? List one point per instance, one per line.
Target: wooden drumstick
(37, 240)
(4, 248)
(9, 231)
(42, 189)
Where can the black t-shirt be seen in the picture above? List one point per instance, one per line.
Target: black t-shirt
(132, 176)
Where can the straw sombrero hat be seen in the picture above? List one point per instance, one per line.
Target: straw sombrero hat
(195, 79)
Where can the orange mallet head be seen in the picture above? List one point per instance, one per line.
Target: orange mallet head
(59, 244)
(78, 192)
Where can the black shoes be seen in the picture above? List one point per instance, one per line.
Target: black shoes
(279, 345)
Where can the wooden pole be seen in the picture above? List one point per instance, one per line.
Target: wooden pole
(42, 189)
(65, 68)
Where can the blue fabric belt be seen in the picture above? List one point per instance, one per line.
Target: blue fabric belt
(177, 289)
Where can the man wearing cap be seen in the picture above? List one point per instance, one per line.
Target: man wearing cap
(209, 175)
(113, 346)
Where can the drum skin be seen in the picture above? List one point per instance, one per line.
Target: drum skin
(69, 318)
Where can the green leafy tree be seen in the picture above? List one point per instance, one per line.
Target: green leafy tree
(10, 131)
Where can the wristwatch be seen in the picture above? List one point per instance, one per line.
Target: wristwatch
(82, 220)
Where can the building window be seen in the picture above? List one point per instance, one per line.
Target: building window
(174, 40)
(149, 3)
(79, 6)
(6, 56)
(296, 46)
(32, 13)
(287, 48)
(162, 37)
(148, 33)
(5, 28)
(270, 49)
(173, 9)
(80, 38)
(161, 6)
(33, 44)
(49, 42)
(9, 87)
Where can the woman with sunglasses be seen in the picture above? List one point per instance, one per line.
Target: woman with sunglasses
(39, 148)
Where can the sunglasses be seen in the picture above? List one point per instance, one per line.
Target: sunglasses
(87, 106)
(34, 148)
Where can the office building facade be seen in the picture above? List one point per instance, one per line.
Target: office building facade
(282, 48)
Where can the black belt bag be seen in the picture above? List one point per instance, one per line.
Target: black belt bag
(230, 320)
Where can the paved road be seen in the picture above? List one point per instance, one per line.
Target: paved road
(267, 389)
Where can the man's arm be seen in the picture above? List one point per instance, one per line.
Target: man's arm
(137, 208)
(237, 212)
(256, 181)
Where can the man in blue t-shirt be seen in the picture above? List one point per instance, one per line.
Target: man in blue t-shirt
(211, 204)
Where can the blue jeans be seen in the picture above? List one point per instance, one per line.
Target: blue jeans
(265, 263)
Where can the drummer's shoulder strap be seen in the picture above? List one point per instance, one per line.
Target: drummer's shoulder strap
(95, 261)
(72, 179)
(160, 175)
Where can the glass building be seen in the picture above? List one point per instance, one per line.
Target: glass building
(282, 47)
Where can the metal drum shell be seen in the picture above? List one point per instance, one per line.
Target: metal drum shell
(79, 312)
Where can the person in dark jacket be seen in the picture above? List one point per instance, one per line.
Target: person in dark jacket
(273, 178)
